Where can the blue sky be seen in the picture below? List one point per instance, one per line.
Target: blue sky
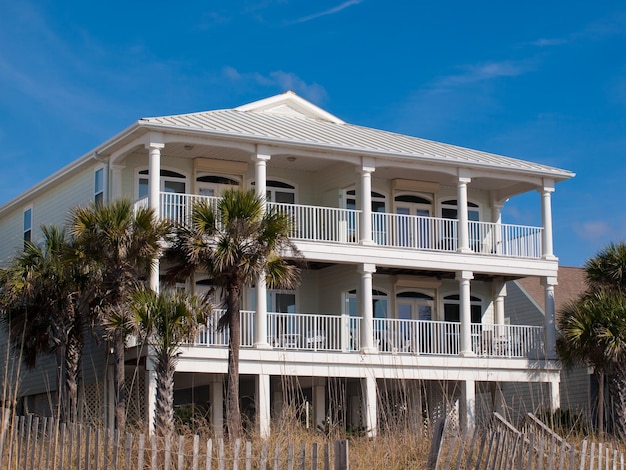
(541, 81)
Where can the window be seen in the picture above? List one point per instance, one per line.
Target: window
(28, 225)
(414, 306)
(379, 303)
(410, 231)
(214, 185)
(452, 309)
(171, 182)
(278, 191)
(449, 210)
(98, 189)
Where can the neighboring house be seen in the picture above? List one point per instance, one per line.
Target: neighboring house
(401, 311)
(525, 303)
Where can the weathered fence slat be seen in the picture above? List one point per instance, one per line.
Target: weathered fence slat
(129, 448)
(168, 452)
(248, 455)
(435, 445)
(209, 454)
(181, 452)
(236, 454)
(220, 453)
(153, 452)
(196, 452)
(314, 456)
(263, 463)
(141, 451)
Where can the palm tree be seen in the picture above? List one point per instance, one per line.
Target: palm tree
(44, 297)
(123, 242)
(593, 334)
(607, 269)
(165, 321)
(235, 242)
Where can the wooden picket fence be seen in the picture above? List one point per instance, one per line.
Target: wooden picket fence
(33, 443)
(501, 446)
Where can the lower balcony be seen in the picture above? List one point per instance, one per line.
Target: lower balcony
(341, 333)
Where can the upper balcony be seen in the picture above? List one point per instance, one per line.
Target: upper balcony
(408, 232)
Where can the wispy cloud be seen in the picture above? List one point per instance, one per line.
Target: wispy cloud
(330, 11)
(476, 73)
(548, 42)
(278, 79)
(594, 230)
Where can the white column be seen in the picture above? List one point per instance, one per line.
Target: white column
(260, 319)
(263, 404)
(462, 216)
(464, 278)
(150, 389)
(116, 182)
(367, 311)
(154, 190)
(496, 217)
(555, 394)
(549, 326)
(260, 171)
(217, 405)
(370, 405)
(546, 215)
(499, 291)
(367, 168)
(467, 411)
(154, 174)
(319, 402)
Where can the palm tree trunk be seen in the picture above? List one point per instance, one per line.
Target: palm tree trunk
(72, 362)
(61, 391)
(119, 380)
(233, 414)
(600, 379)
(164, 417)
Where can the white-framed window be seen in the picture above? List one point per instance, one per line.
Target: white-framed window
(449, 210)
(279, 191)
(379, 303)
(98, 186)
(171, 182)
(413, 305)
(412, 231)
(452, 308)
(28, 224)
(213, 184)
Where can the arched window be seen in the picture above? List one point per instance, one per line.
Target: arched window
(171, 182)
(379, 303)
(449, 210)
(214, 185)
(279, 191)
(412, 305)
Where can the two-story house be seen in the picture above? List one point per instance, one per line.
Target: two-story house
(401, 306)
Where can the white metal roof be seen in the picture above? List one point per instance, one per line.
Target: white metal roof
(287, 123)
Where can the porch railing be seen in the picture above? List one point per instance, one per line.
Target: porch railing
(334, 225)
(505, 239)
(410, 231)
(327, 224)
(508, 341)
(314, 332)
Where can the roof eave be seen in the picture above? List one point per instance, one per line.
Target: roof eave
(556, 174)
